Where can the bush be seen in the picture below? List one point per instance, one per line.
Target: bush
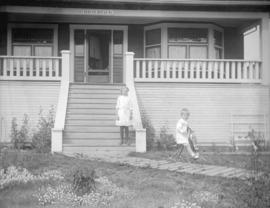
(19, 137)
(83, 180)
(166, 141)
(42, 137)
(25, 159)
(150, 133)
(256, 191)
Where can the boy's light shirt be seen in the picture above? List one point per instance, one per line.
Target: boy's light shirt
(181, 132)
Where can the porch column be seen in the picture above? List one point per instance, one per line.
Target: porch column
(137, 122)
(264, 50)
(265, 58)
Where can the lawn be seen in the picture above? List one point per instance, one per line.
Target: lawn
(213, 158)
(133, 187)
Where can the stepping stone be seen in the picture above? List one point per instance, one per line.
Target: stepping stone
(240, 174)
(214, 171)
(189, 168)
(227, 172)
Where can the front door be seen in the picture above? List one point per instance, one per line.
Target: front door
(98, 55)
(98, 66)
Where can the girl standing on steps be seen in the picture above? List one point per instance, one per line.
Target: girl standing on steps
(124, 114)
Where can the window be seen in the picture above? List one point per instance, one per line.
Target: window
(79, 43)
(32, 41)
(187, 43)
(153, 43)
(118, 37)
(218, 40)
(184, 41)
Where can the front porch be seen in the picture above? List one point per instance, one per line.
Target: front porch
(143, 70)
(138, 71)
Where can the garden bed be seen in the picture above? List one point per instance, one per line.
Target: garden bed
(132, 187)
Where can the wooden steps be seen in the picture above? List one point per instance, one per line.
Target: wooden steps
(90, 120)
(98, 151)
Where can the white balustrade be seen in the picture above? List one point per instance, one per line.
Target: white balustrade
(197, 70)
(29, 68)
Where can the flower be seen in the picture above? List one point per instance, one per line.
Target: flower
(14, 175)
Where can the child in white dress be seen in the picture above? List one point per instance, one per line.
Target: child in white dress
(185, 136)
(124, 114)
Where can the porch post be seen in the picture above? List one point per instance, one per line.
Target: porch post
(60, 117)
(265, 56)
(265, 52)
(129, 79)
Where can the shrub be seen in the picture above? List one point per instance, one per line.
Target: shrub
(19, 137)
(14, 132)
(83, 180)
(150, 133)
(166, 141)
(256, 191)
(26, 159)
(42, 137)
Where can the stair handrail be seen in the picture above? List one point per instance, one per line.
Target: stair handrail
(137, 121)
(60, 117)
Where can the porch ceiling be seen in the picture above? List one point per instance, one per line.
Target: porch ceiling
(75, 19)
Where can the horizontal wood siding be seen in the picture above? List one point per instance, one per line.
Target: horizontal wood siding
(211, 106)
(117, 69)
(25, 97)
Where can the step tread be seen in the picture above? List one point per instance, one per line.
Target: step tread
(101, 148)
(91, 105)
(87, 117)
(95, 90)
(107, 85)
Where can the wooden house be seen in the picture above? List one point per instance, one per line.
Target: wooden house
(75, 55)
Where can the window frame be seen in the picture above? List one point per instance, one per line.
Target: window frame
(54, 44)
(188, 45)
(164, 47)
(220, 47)
(152, 45)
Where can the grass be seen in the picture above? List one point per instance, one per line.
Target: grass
(211, 158)
(152, 188)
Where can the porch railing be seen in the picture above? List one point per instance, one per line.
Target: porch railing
(30, 68)
(191, 70)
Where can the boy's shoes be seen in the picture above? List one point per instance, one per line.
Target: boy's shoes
(196, 156)
(196, 148)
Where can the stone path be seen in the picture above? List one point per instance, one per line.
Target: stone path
(180, 167)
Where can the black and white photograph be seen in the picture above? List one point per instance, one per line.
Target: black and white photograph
(134, 104)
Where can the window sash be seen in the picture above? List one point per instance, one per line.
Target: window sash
(32, 47)
(32, 35)
(153, 52)
(187, 35)
(187, 51)
(153, 37)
